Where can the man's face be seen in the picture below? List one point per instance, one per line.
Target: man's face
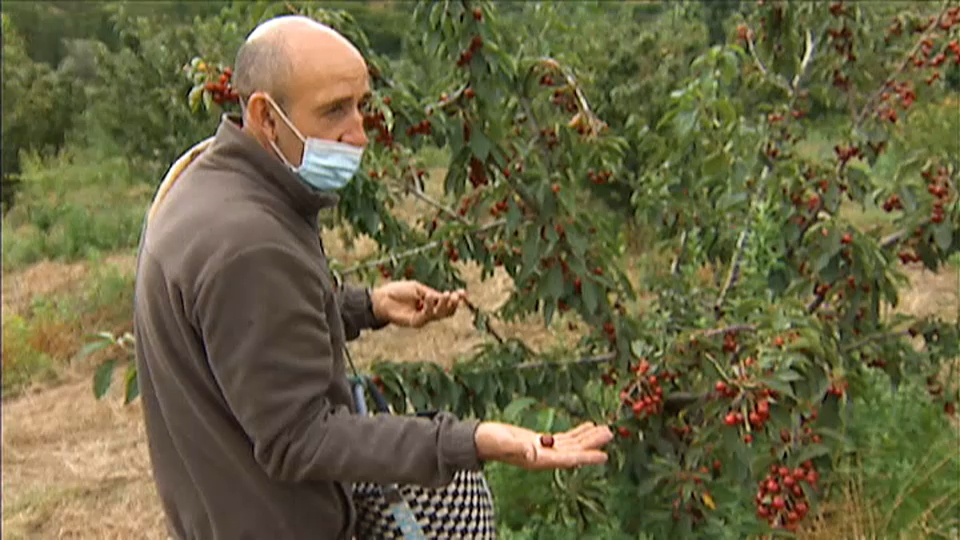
(324, 100)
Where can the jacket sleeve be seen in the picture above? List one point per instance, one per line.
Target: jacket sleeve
(263, 322)
(357, 311)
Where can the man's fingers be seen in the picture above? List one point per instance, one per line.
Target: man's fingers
(595, 438)
(568, 460)
(577, 431)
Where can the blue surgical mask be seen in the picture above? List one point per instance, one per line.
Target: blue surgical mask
(325, 165)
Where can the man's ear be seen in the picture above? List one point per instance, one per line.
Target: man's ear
(260, 116)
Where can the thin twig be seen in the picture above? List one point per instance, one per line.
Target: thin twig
(892, 239)
(395, 257)
(870, 339)
(810, 46)
(479, 314)
(775, 78)
(734, 329)
(421, 195)
(675, 267)
(734, 273)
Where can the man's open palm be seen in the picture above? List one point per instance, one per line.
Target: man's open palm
(524, 448)
(413, 304)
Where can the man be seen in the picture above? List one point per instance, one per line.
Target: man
(240, 331)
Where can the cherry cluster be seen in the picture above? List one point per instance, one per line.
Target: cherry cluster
(902, 93)
(549, 135)
(376, 121)
(644, 394)
(221, 90)
(424, 127)
(758, 413)
(781, 499)
(478, 173)
(565, 99)
(598, 178)
(938, 185)
(386, 273)
(476, 43)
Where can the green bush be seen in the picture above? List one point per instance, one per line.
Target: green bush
(72, 206)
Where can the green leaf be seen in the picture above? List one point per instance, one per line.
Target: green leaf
(513, 219)
(788, 375)
(555, 282)
(782, 387)
(480, 144)
(195, 97)
(811, 451)
(103, 377)
(685, 122)
(715, 164)
(132, 388)
(943, 236)
(726, 111)
(531, 248)
(590, 295)
(577, 241)
(91, 348)
(516, 408)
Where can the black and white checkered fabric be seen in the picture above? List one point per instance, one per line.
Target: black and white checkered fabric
(461, 510)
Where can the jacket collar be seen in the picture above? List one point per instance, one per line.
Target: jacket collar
(236, 146)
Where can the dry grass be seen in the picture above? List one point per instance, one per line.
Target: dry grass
(74, 467)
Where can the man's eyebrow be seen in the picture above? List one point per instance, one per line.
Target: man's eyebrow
(344, 100)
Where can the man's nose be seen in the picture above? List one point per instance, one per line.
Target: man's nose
(356, 135)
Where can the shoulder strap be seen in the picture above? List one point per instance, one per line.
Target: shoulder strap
(169, 179)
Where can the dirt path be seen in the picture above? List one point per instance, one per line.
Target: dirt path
(74, 467)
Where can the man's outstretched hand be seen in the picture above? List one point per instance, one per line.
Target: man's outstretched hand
(526, 449)
(413, 304)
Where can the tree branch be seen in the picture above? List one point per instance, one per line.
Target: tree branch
(871, 101)
(479, 314)
(735, 329)
(808, 54)
(396, 257)
(774, 78)
(872, 338)
(893, 239)
(734, 273)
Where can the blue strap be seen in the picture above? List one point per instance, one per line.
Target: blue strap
(402, 513)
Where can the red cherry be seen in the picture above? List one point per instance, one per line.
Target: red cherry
(546, 441)
(779, 503)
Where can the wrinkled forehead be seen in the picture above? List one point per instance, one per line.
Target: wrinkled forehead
(326, 73)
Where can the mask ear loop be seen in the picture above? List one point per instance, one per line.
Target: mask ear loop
(293, 128)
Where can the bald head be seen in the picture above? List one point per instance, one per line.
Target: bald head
(300, 79)
(266, 60)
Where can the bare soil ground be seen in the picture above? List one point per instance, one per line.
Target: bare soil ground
(74, 467)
